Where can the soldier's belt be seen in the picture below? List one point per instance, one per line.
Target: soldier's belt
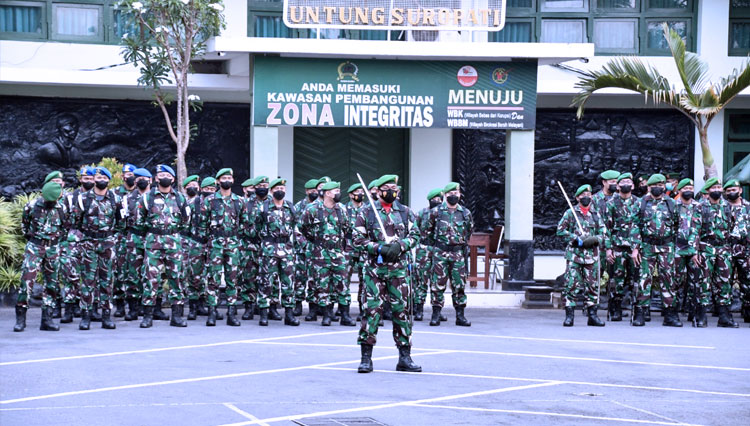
(277, 240)
(330, 245)
(97, 234)
(450, 247)
(223, 233)
(160, 231)
(658, 241)
(44, 242)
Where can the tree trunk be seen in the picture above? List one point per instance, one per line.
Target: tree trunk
(709, 165)
(183, 131)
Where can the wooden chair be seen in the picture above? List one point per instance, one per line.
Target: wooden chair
(497, 259)
(477, 241)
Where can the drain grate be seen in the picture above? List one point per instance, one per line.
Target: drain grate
(342, 421)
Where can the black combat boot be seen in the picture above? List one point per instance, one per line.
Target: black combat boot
(387, 311)
(77, 311)
(331, 313)
(715, 310)
(48, 324)
(312, 315)
(85, 323)
(107, 322)
(148, 317)
(158, 313)
(725, 318)
(700, 316)
(177, 319)
(202, 309)
(57, 310)
(671, 318)
(326, 316)
(745, 313)
(615, 309)
(289, 318)
(365, 366)
(94, 313)
(20, 319)
(263, 321)
(638, 320)
(119, 308)
(232, 316)
(346, 319)
(298, 308)
(192, 309)
(132, 314)
(690, 307)
(460, 318)
(219, 315)
(435, 320)
(67, 316)
(249, 309)
(443, 316)
(647, 313)
(211, 317)
(404, 361)
(337, 315)
(418, 312)
(273, 314)
(361, 313)
(570, 316)
(594, 320)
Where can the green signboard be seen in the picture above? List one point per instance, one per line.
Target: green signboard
(311, 92)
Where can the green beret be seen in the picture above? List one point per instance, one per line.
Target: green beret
(248, 182)
(734, 183)
(656, 178)
(625, 176)
(354, 187)
(609, 174)
(324, 179)
(673, 175)
(372, 184)
(312, 184)
(386, 179)
(711, 182)
(277, 182)
(191, 178)
(582, 189)
(261, 179)
(434, 193)
(684, 183)
(224, 171)
(331, 185)
(51, 191)
(451, 187)
(53, 175)
(208, 181)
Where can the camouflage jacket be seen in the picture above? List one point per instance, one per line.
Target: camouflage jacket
(741, 232)
(688, 230)
(618, 217)
(250, 236)
(718, 224)
(300, 207)
(38, 222)
(592, 225)
(95, 216)
(128, 211)
(398, 222)
(599, 201)
(448, 230)
(655, 223)
(163, 216)
(351, 214)
(222, 220)
(423, 219)
(68, 199)
(121, 191)
(325, 228)
(276, 227)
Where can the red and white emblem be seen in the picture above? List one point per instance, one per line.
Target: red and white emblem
(467, 76)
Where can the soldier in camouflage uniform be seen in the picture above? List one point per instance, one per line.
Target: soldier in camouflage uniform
(57, 177)
(325, 225)
(655, 225)
(385, 270)
(716, 234)
(582, 255)
(95, 217)
(190, 244)
(164, 214)
(222, 221)
(739, 242)
(311, 279)
(618, 218)
(448, 229)
(688, 268)
(195, 263)
(118, 289)
(424, 253)
(246, 289)
(354, 257)
(300, 248)
(599, 203)
(42, 224)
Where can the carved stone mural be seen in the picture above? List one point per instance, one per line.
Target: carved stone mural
(38, 135)
(574, 152)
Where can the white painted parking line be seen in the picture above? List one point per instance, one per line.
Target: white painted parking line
(641, 410)
(244, 414)
(395, 404)
(549, 414)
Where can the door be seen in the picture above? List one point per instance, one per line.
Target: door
(737, 146)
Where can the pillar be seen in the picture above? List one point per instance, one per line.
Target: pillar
(519, 209)
(430, 163)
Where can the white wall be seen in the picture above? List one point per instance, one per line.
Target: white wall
(430, 164)
(286, 157)
(264, 151)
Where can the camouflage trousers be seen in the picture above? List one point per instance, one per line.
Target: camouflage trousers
(223, 258)
(448, 266)
(580, 278)
(131, 272)
(249, 276)
(98, 256)
(301, 277)
(624, 272)
(120, 263)
(193, 268)
(717, 274)
(355, 264)
(39, 258)
(158, 266)
(688, 281)
(276, 274)
(423, 273)
(330, 276)
(741, 271)
(657, 268)
(70, 271)
(383, 283)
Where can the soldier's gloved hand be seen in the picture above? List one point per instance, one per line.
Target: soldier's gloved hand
(576, 242)
(591, 241)
(391, 252)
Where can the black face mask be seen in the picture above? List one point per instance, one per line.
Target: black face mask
(312, 196)
(452, 199)
(279, 195)
(715, 195)
(374, 195)
(625, 189)
(261, 192)
(657, 191)
(142, 184)
(165, 182)
(192, 191)
(687, 195)
(585, 201)
(206, 193)
(130, 180)
(337, 197)
(225, 184)
(102, 184)
(358, 197)
(389, 196)
(87, 185)
(434, 203)
(733, 196)
(612, 188)
(50, 204)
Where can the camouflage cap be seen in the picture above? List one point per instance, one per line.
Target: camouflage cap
(683, 183)
(51, 191)
(354, 187)
(583, 188)
(609, 174)
(434, 193)
(276, 182)
(224, 171)
(208, 181)
(656, 178)
(625, 176)
(331, 185)
(452, 186)
(312, 183)
(53, 175)
(191, 178)
(733, 183)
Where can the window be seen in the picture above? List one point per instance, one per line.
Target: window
(22, 18)
(514, 32)
(77, 22)
(626, 5)
(739, 28)
(564, 5)
(616, 35)
(563, 31)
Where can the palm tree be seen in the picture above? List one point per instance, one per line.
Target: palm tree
(700, 100)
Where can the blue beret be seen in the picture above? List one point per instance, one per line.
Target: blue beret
(142, 173)
(165, 168)
(129, 168)
(101, 170)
